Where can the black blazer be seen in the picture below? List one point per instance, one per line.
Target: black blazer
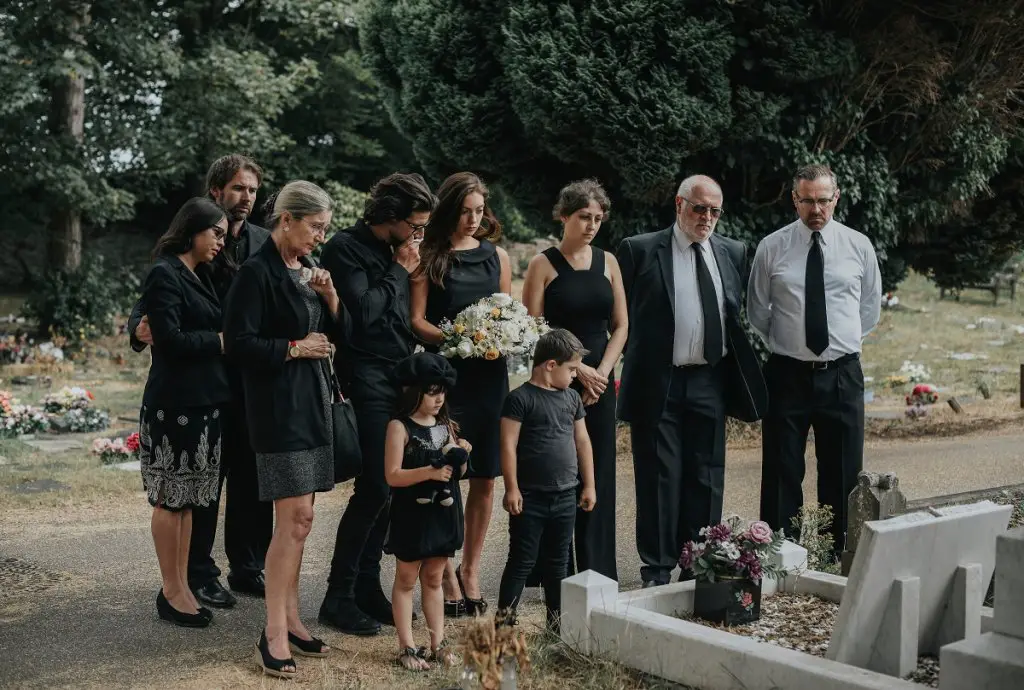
(262, 313)
(646, 263)
(257, 236)
(188, 368)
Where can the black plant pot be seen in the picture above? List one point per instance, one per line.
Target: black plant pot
(732, 601)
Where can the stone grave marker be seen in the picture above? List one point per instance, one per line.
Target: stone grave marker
(876, 497)
(917, 583)
(54, 445)
(39, 486)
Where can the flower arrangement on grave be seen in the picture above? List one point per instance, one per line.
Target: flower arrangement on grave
(71, 409)
(890, 300)
(496, 326)
(23, 350)
(490, 654)
(915, 373)
(729, 565)
(117, 450)
(924, 394)
(17, 419)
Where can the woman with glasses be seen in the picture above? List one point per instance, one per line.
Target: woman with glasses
(460, 266)
(578, 287)
(279, 312)
(180, 420)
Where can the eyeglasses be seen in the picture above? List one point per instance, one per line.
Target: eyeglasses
(219, 233)
(415, 228)
(701, 209)
(811, 203)
(317, 228)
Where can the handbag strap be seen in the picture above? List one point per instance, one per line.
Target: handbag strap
(335, 383)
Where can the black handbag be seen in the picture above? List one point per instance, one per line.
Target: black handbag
(348, 458)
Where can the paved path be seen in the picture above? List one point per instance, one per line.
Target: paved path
(77, 588)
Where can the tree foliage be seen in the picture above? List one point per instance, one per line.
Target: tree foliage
(913, 104)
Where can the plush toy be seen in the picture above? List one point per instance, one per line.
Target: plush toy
(434, 491)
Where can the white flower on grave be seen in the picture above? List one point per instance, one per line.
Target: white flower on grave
(730, 550)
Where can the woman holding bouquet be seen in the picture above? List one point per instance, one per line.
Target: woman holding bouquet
(460, 266)
(578, 287)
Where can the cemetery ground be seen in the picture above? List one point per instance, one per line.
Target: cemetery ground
(78, 574)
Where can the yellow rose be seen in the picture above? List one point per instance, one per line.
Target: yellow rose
(478, 336)
(492, 354)
(495, 312)
(460, 329)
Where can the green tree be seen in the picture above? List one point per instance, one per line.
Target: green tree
(911, 105)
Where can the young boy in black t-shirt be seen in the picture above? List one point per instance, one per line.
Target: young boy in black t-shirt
(545, 453)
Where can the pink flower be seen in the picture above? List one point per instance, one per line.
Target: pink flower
(719, 532)
(747, 599)
(132, 442)
(760, 532)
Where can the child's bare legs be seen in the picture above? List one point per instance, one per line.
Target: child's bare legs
(433, 598)
(401, 605)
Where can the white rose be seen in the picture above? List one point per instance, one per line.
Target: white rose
(465, 348)
(500, 299)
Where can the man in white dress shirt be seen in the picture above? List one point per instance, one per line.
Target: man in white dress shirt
(688, 364)
(814, 293)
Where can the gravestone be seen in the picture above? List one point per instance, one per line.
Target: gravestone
(994, 660)
(54, 445)
(917, 583)
(876, 497)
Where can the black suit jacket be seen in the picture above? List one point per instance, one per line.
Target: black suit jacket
(262, 313)
(188, 368)
(646, 263)
(257, 236)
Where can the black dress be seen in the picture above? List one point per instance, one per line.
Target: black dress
(431, 530)
(581, 302)
(482, 385)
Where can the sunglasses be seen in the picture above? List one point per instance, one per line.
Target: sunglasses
(701, 209)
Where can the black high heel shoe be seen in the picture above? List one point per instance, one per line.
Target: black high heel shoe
(185, 620)
(474, 607)
(315, 647)
(271, 665)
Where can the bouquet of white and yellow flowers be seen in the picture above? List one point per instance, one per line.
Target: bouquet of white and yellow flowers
(496, 326)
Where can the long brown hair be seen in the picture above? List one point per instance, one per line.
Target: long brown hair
(411, 397)
(436, 249)
(197, 215)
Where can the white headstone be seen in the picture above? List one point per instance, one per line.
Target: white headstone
(942, 549)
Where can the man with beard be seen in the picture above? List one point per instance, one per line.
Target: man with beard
(814, 293)
(232, 181)
(370, 265)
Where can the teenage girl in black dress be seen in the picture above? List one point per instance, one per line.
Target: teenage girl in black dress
(578, 287)
(461, 265)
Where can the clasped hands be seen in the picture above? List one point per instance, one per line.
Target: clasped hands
(594, 383)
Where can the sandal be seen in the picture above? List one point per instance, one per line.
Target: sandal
(455, 609)
(442, 654)
(271, 665)
(412, 659)
(314, 647)
(474, 607)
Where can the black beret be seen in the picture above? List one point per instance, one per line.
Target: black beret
(424, 369)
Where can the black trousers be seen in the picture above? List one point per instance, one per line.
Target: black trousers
(248, 521)
(539, 536)
(829, 400)
(679, 468)
(359, 544)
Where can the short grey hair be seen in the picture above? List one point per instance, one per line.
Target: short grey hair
(687, 185)
(813, 172)
(300, 199)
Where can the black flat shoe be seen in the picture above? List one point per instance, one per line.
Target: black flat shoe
(251, 584)
(315, 647)
(474, 607)
(214, 594)
(343, 614)
(185, 620)
(272, 666)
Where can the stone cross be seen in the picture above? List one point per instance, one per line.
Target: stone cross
(876, 497)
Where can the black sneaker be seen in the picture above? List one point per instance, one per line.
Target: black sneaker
(343, 614)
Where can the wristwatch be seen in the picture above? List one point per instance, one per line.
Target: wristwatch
(293, 349)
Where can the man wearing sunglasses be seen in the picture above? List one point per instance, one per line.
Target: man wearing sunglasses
(688, 364)
(814, 293)
(370, 265)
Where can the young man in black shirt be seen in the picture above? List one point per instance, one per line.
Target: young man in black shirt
(232, 181)
(545, 453)
(370, 265)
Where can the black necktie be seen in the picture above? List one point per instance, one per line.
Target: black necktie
(815, 318)
(709, 305)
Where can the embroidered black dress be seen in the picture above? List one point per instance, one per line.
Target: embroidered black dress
(430, 530)
(581, 302)
(482, 385)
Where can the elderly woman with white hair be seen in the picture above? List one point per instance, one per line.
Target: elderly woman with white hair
(279, 313)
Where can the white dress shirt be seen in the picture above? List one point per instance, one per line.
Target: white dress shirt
(853, 290)
(688, 347)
